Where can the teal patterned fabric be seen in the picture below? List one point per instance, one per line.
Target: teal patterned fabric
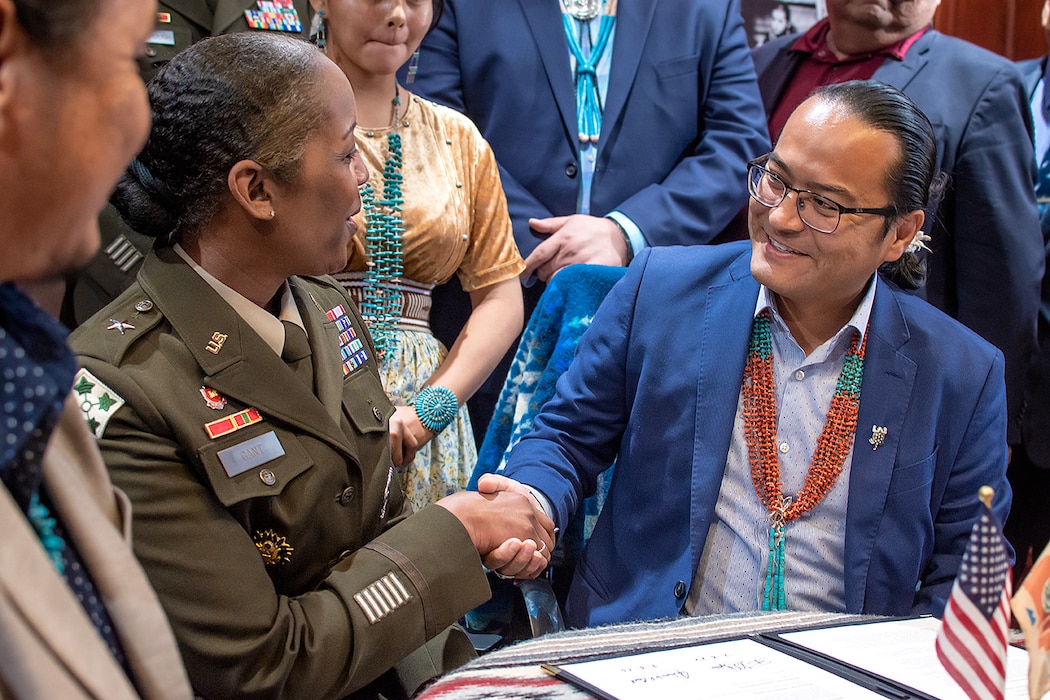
(546, 350)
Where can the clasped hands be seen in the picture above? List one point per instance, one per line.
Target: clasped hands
(576, 239)
(509, 528)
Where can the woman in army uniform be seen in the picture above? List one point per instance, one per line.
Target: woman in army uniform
(239, 405)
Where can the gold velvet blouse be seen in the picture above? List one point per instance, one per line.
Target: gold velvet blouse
(455, 213)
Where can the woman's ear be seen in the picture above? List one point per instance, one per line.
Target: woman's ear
(252, 189)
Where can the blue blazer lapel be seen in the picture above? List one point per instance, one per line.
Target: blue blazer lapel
(889, 379)
(633, 18)
(729, 308)
(900, 73)
(545, 22)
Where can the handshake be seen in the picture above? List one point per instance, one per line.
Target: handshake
(507, 525)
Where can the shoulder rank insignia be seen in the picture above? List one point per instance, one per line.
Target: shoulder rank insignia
(97, 401)
(274, 548)
(121, 326)
(382, 597)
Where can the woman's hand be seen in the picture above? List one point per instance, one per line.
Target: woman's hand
(512, 535)
(407, 435)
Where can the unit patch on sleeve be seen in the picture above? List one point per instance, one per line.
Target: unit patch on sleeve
(97, 401)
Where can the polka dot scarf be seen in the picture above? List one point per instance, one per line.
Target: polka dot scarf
(36, 373)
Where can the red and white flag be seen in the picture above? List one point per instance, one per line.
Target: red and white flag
(971, 643)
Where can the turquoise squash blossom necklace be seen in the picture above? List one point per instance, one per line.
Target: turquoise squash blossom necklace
(385, 226)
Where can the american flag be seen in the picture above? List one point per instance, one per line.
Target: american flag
(971, 642)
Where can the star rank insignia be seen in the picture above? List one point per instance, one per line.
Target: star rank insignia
(97, 401)
(274, 548)
(115, 325)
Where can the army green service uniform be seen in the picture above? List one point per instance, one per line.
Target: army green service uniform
(180, 23)
(268, 516)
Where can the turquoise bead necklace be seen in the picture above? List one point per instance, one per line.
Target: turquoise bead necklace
(382, 296)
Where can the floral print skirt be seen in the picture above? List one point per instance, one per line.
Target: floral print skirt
(444, 465)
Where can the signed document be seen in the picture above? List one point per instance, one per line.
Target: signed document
(743, 668)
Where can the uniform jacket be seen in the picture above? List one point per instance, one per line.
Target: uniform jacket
(681, 118)
(48, 646)
(988, 257)
(181, 23)
(282, 551)
(655, 384)
(1035, 417)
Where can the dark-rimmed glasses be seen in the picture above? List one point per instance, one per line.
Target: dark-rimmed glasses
(816, 211)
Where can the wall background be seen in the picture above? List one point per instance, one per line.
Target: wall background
(1008, 27)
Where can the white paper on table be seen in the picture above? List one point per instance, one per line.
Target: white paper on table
(903, 651)
(736, 669)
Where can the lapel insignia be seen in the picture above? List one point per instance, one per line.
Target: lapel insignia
(229, 424)
(878, 436)
(215, 344)
(351, 347)
(275, 15)
(115, 325)
(97, 401)
(274, 548)
(214, 399)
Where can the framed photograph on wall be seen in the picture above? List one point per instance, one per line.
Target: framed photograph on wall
(768, 19)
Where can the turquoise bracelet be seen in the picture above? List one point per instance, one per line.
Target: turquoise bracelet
(436, 407)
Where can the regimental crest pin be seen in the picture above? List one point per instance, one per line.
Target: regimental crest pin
(214, 399)
(878, 436)
(274, 548)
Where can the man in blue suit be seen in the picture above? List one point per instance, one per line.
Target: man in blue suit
(987, 256)
(678, 112)
(1028, 528)
(708, 374)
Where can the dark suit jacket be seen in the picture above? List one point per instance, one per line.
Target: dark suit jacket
(987, 261)
(1035, 416)
(681, 118)
(660, 395)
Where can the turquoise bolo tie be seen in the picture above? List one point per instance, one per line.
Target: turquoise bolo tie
(588, 101)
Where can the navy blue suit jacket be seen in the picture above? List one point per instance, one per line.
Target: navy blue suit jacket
(987, 261)
(655, 384)
(1035, 416)
(681, 119)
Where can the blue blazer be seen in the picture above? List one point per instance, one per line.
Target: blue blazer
(681, 119)
(1035, 414)
(655, 384)
(987, 261)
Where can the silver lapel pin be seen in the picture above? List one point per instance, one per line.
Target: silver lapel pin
(878, 436)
